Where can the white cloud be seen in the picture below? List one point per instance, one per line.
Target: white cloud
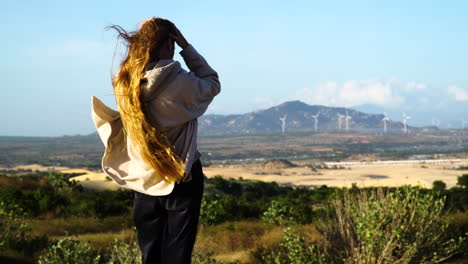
(415, 86)
(353, 93)
(458, 93)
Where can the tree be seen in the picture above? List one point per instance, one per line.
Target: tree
(463, 181)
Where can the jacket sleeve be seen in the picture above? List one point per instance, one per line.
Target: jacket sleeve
(190, 94)
(202, 81)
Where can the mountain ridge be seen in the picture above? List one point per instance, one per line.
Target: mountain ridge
(298, 116)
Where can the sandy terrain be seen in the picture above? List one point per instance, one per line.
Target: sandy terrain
(390, 175)
(36, 167)
(92, 180)
(363, 174)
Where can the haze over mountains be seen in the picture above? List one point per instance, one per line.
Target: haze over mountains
(298, 117)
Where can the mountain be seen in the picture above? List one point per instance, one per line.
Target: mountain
(298, 118)
(449, 114)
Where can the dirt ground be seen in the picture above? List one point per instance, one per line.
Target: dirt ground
(362, 174)
(390, 175)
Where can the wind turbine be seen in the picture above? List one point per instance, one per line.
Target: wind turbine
(347, 118)
(385, 119)
(283, 122)
(316, 120)
(463, 126)
(339, 120)
(405, 119)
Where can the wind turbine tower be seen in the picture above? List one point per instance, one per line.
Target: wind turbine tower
(283, 123)
(340, 116)
(405, 121)
(316, 120)
(463, 126)
(347, 118)
(385, 119)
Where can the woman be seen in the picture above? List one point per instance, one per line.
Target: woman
(151, 142)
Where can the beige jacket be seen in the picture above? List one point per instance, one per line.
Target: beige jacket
(175, 99)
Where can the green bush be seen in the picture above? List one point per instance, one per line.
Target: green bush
(12, 228)
(211, 211)
(69, 251)
(462, 181)
(439, 185)
(292, 250)
(376, 226)
(124, 253)
(49, 194)
(279, 213)
(200, 258)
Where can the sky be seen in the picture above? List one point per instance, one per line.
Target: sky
(393, 56)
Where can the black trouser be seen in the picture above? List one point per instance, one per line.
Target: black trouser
(167, 225)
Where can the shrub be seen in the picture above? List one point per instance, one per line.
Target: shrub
(125, 253)
(211, 211)
(292, 250)
(462, 181)
(279, 213)
(69, 251)
(226, 186)
(439, 185)
(376, 226)
(200, 258)
(12, 228)
(293, 208)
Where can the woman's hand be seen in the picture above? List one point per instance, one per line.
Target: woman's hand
(179, 38)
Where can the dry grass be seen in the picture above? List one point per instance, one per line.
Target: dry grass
(229, 241)
(243, 256)
(101, 240)
(231, 236)
(78, 225)
(234, 241)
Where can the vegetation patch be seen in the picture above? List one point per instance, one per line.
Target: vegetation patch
(279, 164)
